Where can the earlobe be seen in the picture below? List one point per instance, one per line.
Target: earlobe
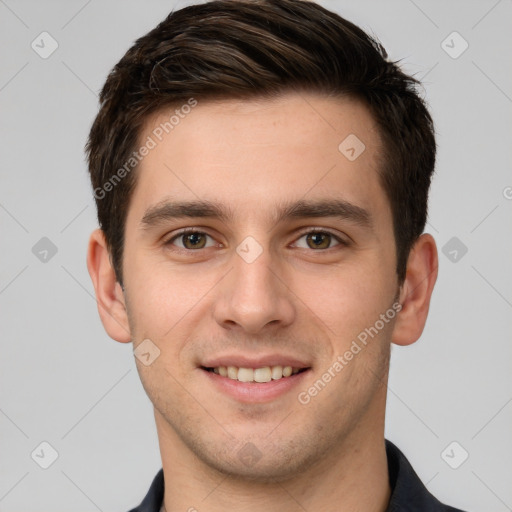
(416, 291)
(109, 295)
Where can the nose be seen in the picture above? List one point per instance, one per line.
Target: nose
(254, 296)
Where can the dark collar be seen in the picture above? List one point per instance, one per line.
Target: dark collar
(407, 488)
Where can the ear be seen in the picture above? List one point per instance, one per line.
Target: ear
(416, 290)
(109, 294)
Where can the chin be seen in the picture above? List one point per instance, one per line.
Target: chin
(268, 471)
(262, 461)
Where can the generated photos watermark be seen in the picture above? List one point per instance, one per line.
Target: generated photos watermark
(305, 396)
(151, 142)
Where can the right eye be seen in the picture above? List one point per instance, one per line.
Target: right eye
(190, 239)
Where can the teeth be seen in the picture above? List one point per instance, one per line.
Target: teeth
(277, 372)
(245, 374)
(264, 374)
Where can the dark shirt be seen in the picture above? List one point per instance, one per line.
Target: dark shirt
(408, 494)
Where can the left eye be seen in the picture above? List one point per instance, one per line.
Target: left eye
(190, 240)
(319, 240)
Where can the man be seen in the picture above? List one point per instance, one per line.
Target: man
(261, 174)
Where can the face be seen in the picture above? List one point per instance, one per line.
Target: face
(254, 241)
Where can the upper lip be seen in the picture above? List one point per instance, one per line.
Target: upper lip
(242, 361)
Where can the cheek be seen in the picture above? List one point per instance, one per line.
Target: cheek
(347, 299)
(153, 307)
(164, 302)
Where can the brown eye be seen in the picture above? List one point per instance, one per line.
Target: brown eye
(190, 240)
(193, 240)
(318, 240)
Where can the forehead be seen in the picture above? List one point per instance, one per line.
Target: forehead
(252, 154)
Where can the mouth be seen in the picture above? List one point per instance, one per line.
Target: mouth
(256, 383)
(255, 375)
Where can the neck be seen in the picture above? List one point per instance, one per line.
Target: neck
(353, 477)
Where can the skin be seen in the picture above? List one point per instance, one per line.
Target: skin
(293, 299)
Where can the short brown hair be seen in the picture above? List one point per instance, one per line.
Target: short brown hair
(261, 48)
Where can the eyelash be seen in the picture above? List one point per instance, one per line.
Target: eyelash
(187, 231)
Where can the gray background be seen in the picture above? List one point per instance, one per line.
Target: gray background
(63, 381)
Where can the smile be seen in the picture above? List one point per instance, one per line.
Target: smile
(261, 375)
(262, 384)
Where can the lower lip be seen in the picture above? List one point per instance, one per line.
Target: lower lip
(255, 392)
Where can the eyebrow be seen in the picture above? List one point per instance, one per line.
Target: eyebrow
(167, 210)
